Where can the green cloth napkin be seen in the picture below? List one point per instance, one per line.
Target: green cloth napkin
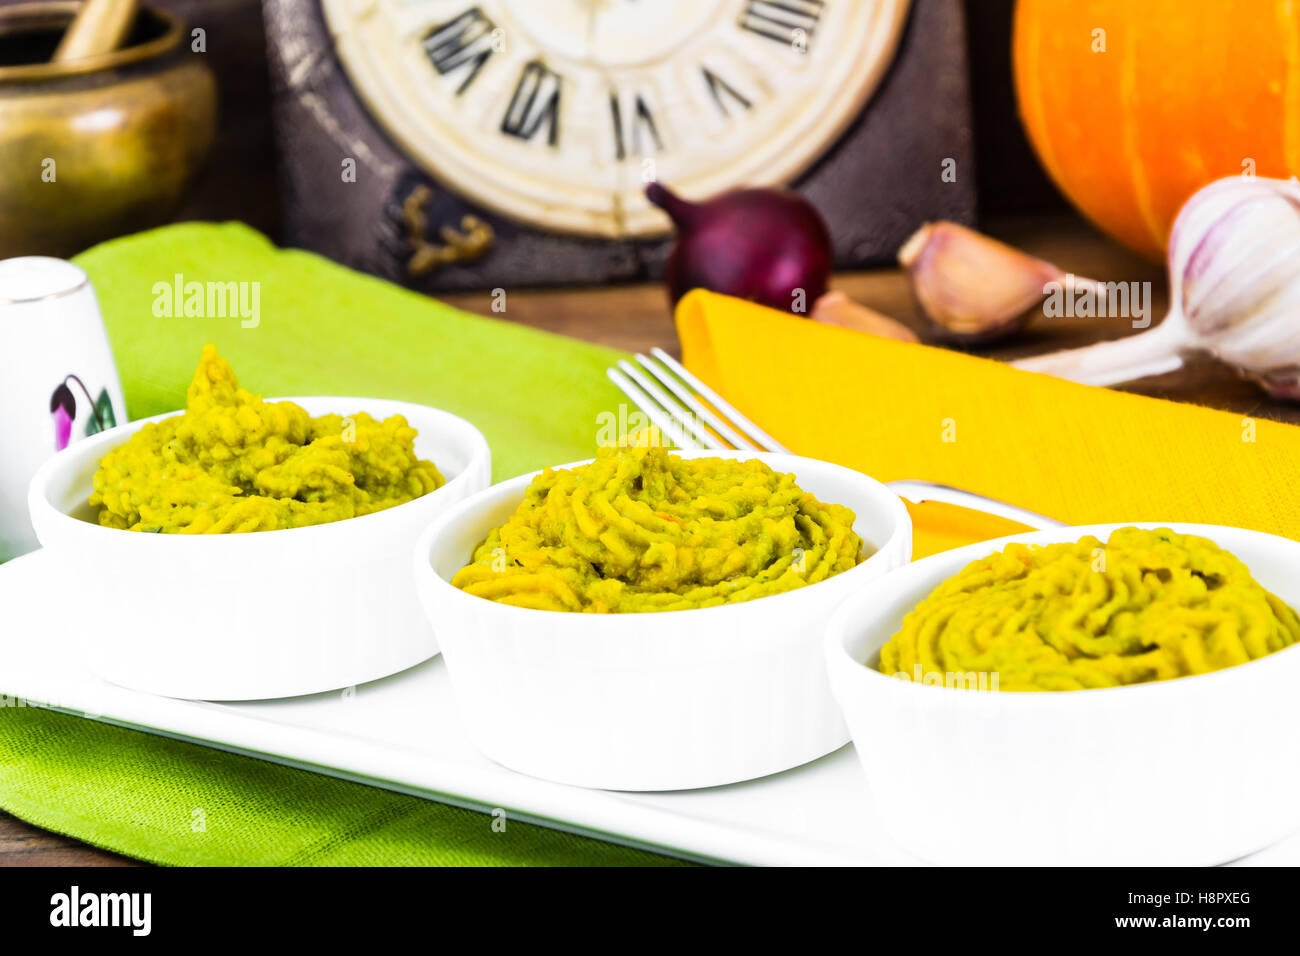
(322, 330)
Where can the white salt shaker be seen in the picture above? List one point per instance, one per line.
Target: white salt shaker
(58, 382)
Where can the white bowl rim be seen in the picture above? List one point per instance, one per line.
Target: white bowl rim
(38, 487)
(840, 627)
(424, 546)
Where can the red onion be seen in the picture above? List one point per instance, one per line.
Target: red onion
(767, 245)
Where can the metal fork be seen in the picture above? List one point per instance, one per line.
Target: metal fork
(694, 416)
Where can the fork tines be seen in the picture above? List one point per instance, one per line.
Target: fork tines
(686, 410)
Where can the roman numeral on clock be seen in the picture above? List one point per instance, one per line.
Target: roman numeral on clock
(785, 21)
(642, 128)
(724, 93)
(465, 43)
(536, 102)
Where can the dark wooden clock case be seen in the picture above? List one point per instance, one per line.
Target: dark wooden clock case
(882, 179)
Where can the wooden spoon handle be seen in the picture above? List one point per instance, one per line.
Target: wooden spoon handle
(100, 27)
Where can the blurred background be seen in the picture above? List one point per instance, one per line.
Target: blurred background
(437, 144)
(242, 178)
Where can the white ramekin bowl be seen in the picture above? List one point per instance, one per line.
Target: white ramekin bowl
(653, 701)
(1199, 770)
(260, 615)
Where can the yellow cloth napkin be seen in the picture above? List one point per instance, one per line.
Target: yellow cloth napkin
(894, 410)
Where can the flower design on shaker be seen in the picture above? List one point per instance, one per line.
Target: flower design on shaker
(63, 409)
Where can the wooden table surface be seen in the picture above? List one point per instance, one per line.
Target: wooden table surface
(636, 317)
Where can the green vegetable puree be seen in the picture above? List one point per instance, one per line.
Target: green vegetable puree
(640, 529)
(233, 462)
(1146, 606)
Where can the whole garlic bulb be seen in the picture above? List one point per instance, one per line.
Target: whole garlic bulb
(1234, 292)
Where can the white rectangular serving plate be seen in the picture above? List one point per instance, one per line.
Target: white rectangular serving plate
(403, 733)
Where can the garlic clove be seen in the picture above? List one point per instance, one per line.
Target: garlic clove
(973, 287)
(836, 308)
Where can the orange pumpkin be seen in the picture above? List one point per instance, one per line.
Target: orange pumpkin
(1133, 105)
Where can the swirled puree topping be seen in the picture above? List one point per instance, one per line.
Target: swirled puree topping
(1146, 606)
(639, 529)
(233, 462)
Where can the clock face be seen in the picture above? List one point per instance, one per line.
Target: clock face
(557, 112)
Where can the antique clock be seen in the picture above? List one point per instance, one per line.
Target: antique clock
(497, 141)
